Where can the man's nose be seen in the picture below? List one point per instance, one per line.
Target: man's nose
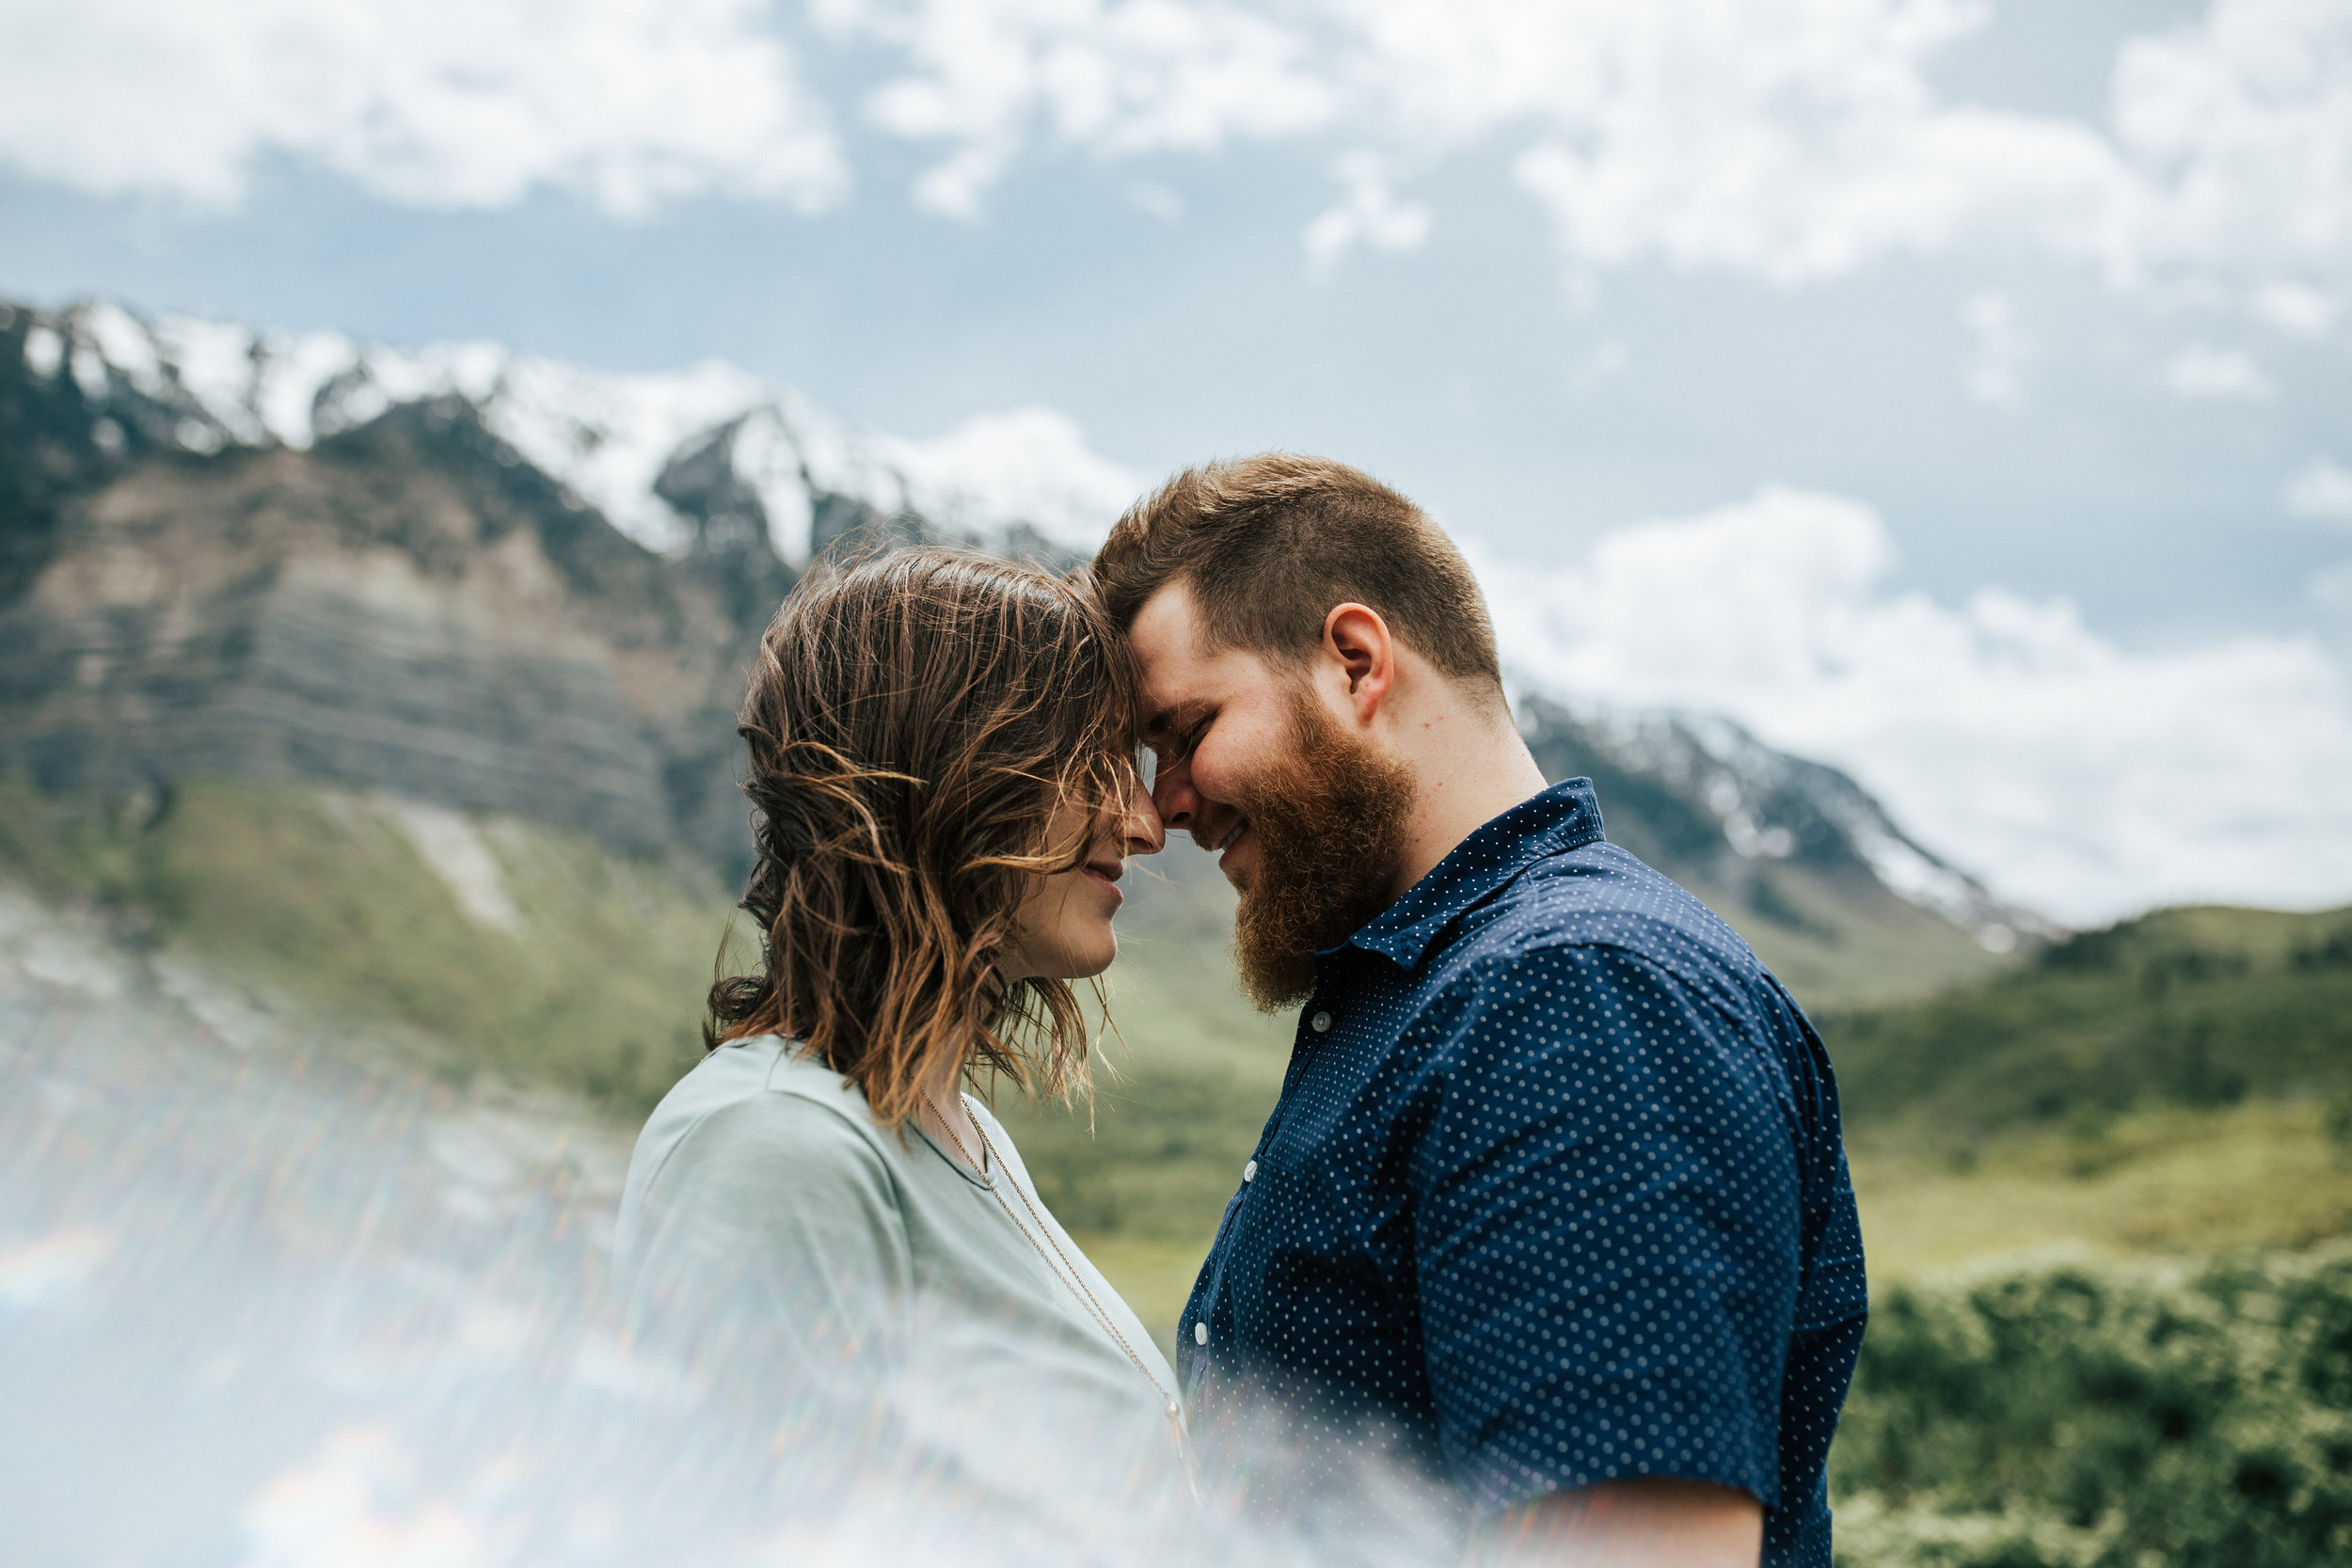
(1173, 796)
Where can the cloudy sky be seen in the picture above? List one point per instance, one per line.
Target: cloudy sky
(1955, 391)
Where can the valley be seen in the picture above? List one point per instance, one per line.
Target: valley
(377, 707)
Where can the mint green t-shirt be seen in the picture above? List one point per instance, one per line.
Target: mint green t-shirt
(881, 1277)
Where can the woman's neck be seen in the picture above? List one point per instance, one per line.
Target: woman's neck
(945, 1117)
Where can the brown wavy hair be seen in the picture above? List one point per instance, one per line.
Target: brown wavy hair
(913, 721)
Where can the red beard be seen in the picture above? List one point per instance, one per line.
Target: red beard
(1331, 824)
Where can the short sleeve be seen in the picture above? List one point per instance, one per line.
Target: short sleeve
(1608, 1231)
(773, 1221)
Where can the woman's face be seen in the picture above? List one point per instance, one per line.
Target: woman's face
(1064, 930)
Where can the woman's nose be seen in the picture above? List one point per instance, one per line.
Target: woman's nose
(1141, 828)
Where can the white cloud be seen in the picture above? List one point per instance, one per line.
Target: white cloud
(1602, 365)
(989, 77)
(1788, 139)
(1161, 202)
(1368, 214)
(2001, 350)
(2296, 310)
(2219, 375)
(1791, 140)
(2239, 130)
(2321, 489)
(2079, 778)
(435, 104)
(1031, 464)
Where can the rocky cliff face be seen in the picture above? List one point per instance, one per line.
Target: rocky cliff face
(406, 605)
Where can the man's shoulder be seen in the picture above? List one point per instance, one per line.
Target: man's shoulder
(1592, 899)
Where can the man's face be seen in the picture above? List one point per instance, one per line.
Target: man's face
(1218, 722)
(1309, 818)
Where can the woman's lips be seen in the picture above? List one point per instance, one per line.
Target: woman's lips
(1107, 874)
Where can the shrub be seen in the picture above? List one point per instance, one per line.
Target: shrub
(2077, 1416)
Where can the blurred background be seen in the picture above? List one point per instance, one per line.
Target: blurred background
(1904, 442)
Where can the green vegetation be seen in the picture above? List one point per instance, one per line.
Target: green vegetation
(2074, 1416)
(2178, 1087)
(325, 898)
(2199, 1009)
(2138, 1099)
(2155, 1183)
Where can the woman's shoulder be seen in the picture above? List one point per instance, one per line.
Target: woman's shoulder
(763, 1101)
(759, 1160)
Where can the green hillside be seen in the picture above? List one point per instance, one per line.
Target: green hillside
(2192, 1007)
(326, 900)
(2104, 1190)
(2180, 1082)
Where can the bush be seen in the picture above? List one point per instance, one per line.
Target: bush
(2075, 1416)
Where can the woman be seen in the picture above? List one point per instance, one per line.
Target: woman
(943, 764)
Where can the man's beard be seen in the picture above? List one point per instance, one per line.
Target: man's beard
(1331, 824)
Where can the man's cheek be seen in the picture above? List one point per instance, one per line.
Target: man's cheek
(1240, 865)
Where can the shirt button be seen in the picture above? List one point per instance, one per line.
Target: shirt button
(1319, 1022)
(1200, 1334)
(1249, 1171)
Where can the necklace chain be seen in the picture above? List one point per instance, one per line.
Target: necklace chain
(1068, 1273)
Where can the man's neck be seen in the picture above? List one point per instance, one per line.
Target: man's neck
(1470, 767)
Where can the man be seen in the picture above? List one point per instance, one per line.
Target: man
(1553, 1205)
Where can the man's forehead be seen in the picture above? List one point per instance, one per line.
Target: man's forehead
(1178, 668)
(1169, 624)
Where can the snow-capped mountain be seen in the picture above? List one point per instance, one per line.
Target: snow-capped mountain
(1746, 802)
(665, 514)
(202, 385)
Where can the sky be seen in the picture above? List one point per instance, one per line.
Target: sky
(1952, 390)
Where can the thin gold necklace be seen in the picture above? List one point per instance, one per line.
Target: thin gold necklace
(1170, 1407)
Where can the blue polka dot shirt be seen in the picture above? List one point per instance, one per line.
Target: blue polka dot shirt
(1554, 1195)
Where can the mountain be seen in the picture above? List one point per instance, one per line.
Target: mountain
(1831, 894)
(662, 457)
(513, 587)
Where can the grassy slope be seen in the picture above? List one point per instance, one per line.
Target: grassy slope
(2196, 1007)
(2178, 1085)
(2181, 1084)
(320, 897)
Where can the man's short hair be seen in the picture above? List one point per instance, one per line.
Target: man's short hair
(1269, 544)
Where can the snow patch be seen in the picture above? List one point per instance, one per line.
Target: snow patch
(606, 437)
(449, 842)
(44, 351)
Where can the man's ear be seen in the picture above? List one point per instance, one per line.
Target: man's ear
(1359, 639)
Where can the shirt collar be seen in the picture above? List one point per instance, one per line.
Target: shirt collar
(1566, 816)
